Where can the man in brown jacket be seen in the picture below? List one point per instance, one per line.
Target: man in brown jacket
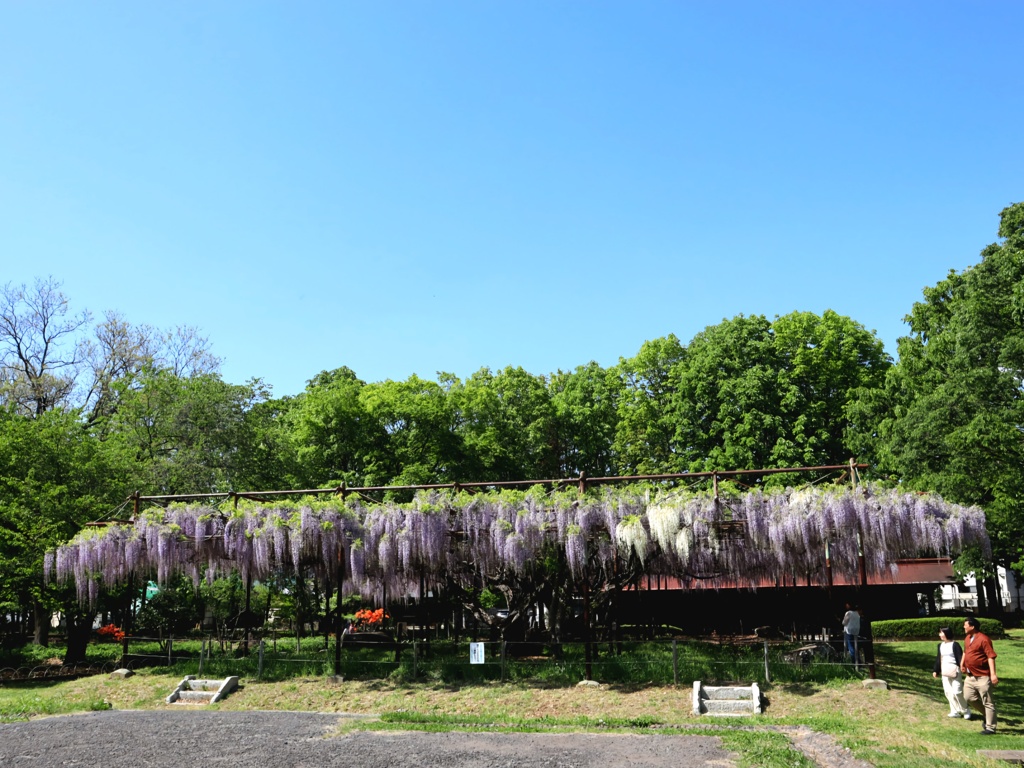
(979, 668)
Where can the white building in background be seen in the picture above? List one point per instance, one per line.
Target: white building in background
(963, 596)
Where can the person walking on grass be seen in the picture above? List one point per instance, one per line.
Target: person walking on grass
(979, 667)
(947, 664)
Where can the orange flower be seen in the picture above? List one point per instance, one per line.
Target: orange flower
(111, 632)
(364, 617)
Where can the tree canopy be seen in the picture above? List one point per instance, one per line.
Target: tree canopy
(92, 410)
(750, 392)
(950, 416)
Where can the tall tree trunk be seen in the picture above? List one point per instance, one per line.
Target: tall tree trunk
(979, 585)
(131, 605)
(41, 624)
(995, 605)
(79, 630)
(300, 611)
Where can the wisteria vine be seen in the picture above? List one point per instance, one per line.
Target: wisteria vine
(397, 548)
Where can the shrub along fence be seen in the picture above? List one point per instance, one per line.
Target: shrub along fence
(928, 628)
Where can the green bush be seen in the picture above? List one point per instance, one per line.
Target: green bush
(928, 628)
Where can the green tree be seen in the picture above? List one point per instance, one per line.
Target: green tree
(644, 430)
(55, 476)
(585, 402)
(753, 393)
(335, 437)
(725, 405)
(419, 420)
(950, 416)
(120, 353)
(185, 432)
(268, 456)
(506, 425)
(825, 362)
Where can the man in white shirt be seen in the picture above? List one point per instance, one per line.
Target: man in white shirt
(851, 629)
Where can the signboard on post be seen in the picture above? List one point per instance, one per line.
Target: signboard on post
(476, 653)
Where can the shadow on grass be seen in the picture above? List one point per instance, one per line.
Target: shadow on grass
(910, 669)
(800, 689)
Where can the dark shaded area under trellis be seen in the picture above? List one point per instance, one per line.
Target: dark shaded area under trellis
(702, 613)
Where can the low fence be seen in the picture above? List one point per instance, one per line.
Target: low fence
(54, 672)
(636, 662)
(645, 662)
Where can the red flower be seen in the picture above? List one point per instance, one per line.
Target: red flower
(111, 632)
(367, 619)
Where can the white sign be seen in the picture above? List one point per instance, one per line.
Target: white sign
(476, 653)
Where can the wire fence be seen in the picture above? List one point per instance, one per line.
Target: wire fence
(657, 662)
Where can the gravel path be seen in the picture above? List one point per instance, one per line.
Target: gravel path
(117, 739)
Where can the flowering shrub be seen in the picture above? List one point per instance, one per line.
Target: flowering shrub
(365, 619)
(111, 632)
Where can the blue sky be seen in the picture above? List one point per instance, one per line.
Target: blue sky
(418, 187)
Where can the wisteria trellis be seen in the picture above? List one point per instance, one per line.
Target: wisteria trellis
(399, 547)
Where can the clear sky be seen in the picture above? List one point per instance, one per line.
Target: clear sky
(413, 187)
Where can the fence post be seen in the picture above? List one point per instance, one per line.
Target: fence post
(415, 647)
(202, 652)
(259, 669)
(675, 662)
(503, 660)
(767, 672)
(170, 642)
(124, 651)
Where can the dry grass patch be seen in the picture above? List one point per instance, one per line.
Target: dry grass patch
(668, 706)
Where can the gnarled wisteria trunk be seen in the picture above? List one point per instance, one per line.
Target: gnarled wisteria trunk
(396, 549)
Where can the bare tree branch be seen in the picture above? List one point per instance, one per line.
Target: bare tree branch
(40, 354)
(47, 361)
(185, 352)
(118, 354)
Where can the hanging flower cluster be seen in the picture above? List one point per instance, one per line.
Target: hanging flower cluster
(394, 549)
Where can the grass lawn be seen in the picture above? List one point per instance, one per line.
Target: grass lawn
(904, 727)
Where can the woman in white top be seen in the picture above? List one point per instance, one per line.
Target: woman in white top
(947, 664)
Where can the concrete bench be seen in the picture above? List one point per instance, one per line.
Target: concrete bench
(1012, 756)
